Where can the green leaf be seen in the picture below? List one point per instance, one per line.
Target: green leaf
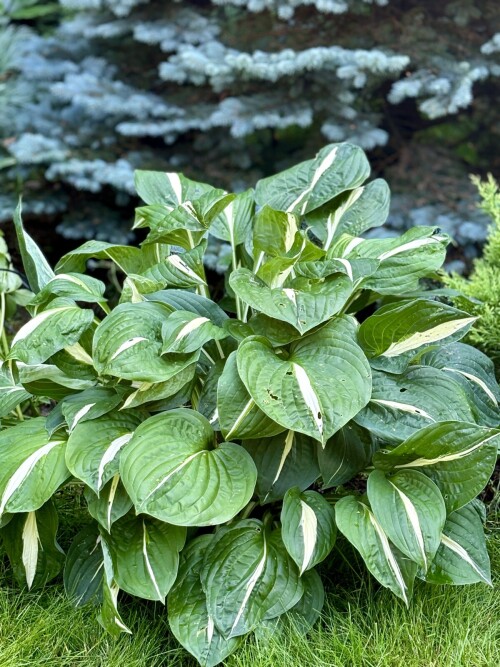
(49, 380)
(284, 461)
(75, 286)
(298, 392)
(278, 332)
(462, 557)
(184, 332)
(110, 505)
(176, 299)
(127, 344)
(50, 331)
(303, 308)
(31, 545)
(234, 224)
(180, 269)
(167, 188)
(307, 611)
(356, 269)
(109, 616)
(127, 258)
(148, 392)
(32, 468)
(308, 527)
(411, 510)
(88, 405)
(346, 453)
(310, 184)
(458, 456)
(35, 265)
(12, 393)
(172, 472)
(248, 576)
(187, 610)
(391, 568)
(274, 231)
(396, 332)
(145, 555)
(94, 447)
(84, 567)
(403, 404)
(237, 412)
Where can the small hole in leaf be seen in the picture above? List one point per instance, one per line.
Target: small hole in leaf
(273, 396)
(403, 390)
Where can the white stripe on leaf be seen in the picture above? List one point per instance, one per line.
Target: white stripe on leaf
(31, 540)
(389, 556)
(464, 555)
(190, 327)
(404, 407)
(433, 335)
(175, 184)
(411, 245)
(476, 380)
(309, 395)
(33, 324)
(246, 410)
(80, 415)
(109, 455)
(181, 266)
(127, 345)
(148, 563)
(325, 164)
(309, 527)
(251, 584)
(412, 515)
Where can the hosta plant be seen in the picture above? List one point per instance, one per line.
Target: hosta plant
(224, 436)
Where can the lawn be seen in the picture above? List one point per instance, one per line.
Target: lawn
(363, 626)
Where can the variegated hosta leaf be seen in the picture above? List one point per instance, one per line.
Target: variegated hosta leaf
(352, 212)
(89, 404)
(459, 457)
(148, 392)
(476, 375)
(171, 471)
(234, 224)
(184, 332)
(308, 609)
(387, 564)
(75, 362)
(179, 269)
(127, 344)
(84, 567)
(35, 265)
(53, 329)
(274, 232)
(110, 505)
(12, 393)
(31, 545)
(247, 577)
(278, 332)
(322, 384)
(33, 466)
(187, 610)
(76, 286)
(94, 447)
(308, 527)
(207, 399)
(303, 308)
(310, 184)
(346, 453)
(127, 258)
(403, 404)
(109, 616)
(284, 461)
(396, 332)
(411, 510)
(167, 188)
(403, 260)
(50, 381)
(145, 555)
(462, 557)
(238, 414)
(175, 299)
(356, 269)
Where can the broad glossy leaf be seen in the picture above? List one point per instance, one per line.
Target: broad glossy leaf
(234, 224)
(458, 456)
(76, 286)
(12, 393)
(462, 557)
(346, 453)
(179, 269)
(167, 188)
(89, 404)
(238, 414)
(109, 616)
(207, 399)
(391, 568)
(32, 468)
(172, 471)
(303, 308)
(31, 545)
(356, 269)
(187, 610)
(84, 567)
(149, 392)
(110, 505)
(310, 184)
(50, 331)
(176, 299)
(184, 332)
(248, 576)
(94, 447)
(307, 527)
(324, 382)
(49, 380)
(284, 461)
(411, 510)
(127, 344)
(308, 609)
(145, 555)
(396, 332)
(402, 404)
(35, 265)
(127, 258)
(278, 332)
(274, 231)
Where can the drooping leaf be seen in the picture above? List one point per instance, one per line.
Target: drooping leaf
(76, 286)
(307, 611)
(411, 510)
(148, 392)
(308, 527)
(127, 258)
(458, 456)
(234, 224)
(179, 269)
(110, 505)
(84, 567)
(345, 454)
(35, 265)
(12, 393)
(167, 188)
(248, 576)
(172, 472)
(109, 616)
(49, 380)
(324, 382)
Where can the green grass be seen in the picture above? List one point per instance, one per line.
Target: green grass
(363, 626)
